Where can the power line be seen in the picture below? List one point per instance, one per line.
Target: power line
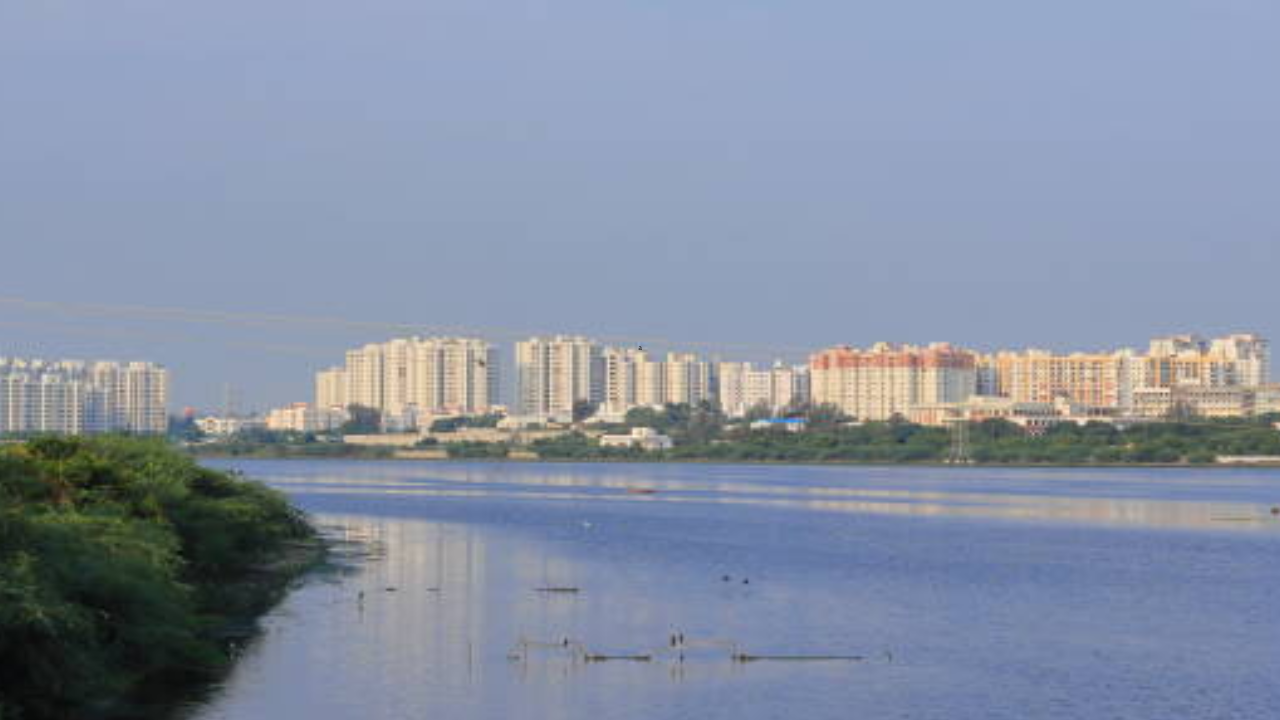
(260, 320)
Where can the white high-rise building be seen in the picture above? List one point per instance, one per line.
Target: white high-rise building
(1251, 355)
(689, 380)
(634, 378)
(557, 372)
(331, 388)
(70, 397)
(743, 387)
(411, 376)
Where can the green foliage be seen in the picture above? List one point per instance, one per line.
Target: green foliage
(576, 446)
(114, 553)
(364, 421)
(477, 450)
(583, 409)
(290, 445)
(702, 434)
(453, 424)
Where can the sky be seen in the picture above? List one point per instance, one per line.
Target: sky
(755, 175)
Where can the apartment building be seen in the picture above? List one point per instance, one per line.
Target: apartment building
(1127, 383)
(407, 376)
(890, 380)
(306, 418)
(1188, 360)
(636, 378)
(73, 397)
(1040, 376)
(556, 372)
(744, 386)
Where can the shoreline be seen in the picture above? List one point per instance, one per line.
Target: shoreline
(716, 461)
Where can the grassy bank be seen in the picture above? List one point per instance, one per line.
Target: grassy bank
(125, 568)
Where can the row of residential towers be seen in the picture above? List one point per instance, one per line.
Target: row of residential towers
(556, 374)
(72, 397)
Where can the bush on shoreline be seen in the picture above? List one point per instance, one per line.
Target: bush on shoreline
(118, 559)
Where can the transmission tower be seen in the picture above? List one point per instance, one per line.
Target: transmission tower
(959, 454)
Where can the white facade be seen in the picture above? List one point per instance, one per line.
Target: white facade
(643, 438)
(228, 426)
(557, 372)
(415, 376)
(743, 386)
(305, 418)
(71, 397)
(635, 378)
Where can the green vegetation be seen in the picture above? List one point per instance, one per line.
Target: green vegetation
(477, 450)
(576, 446)
(364, 421)
(260, 443)
(123, 564)
(700, 433)
(453, 424)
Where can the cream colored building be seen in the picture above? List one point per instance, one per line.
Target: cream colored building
(1188, 360)
(644, 438)
(306, 418)
(890, 380)
(743, 386)
(1193, 401)
(1130, 384)
(415, 376)
(635, 378)
(556, 372)
(72, 397)
(1040, 376)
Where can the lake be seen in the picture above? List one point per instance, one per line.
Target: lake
(479, 590)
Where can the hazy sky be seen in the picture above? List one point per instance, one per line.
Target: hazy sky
(1076, 174)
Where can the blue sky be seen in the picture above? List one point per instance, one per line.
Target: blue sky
(784, 175)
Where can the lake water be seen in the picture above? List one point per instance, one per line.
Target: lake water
(966, 593)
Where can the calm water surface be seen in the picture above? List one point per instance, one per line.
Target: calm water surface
(968, 593)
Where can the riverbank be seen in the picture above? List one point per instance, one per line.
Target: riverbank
(993, 443)
(130, 575)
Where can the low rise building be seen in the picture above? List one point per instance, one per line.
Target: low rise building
(1193, 401)
(644, 438)
(306, 418)
(224, 427)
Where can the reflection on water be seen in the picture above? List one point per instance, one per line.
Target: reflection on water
(1110, 594)
(819, 489)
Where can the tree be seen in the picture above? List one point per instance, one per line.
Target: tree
(760, 411)
(583, 409)
(363, 421)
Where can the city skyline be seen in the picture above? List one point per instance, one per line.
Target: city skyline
(501, 360)
(564, 378)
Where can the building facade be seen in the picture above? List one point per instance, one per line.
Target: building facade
(744, 387)
(306, 418)
(415, 376)
(555, 373)
(1178, 373)
(73, 398)
(890, 380)
(1039, 376)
